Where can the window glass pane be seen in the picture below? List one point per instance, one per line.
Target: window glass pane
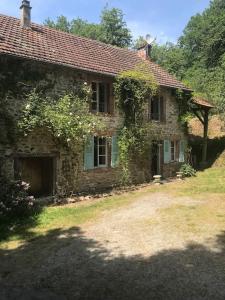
(102, 150)
(102, 97)
(172, 150)
(155, 108)
(102, 160)
(94, 96)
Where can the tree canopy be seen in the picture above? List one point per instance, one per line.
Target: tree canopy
(112, 28)
(199, 56)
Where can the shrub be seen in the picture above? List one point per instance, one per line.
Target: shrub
(187, 170)
(14, 199)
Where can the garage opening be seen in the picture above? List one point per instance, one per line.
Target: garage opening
(38, 172)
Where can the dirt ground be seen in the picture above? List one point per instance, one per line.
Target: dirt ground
(134, 252)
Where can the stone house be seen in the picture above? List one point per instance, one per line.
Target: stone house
(33, 55)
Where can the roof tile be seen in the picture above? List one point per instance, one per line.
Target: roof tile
(49, 45)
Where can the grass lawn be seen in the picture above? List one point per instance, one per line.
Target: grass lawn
(208, 186)
(63, 217)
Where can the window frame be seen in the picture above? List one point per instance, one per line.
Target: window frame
(98, 155)
(159, 108)
(106, 100)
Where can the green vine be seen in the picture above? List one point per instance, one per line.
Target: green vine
(133, 89)
(68, 118)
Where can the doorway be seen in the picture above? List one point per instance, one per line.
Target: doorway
(156, 158)
(39, 173)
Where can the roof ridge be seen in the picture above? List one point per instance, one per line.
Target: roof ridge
(71, 34)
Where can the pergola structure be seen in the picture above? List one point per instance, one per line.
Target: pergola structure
(201, 108)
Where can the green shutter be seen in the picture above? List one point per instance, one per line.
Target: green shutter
(181, 152)
(167, 151)
(89, 154)
(115, 152)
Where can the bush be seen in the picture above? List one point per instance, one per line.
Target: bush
(14, 199)
(187, 170)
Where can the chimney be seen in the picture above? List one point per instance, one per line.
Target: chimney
(25, 14)
(144, 52)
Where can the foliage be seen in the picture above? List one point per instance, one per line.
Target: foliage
(7, 124)
(139, 42)
(132, 91)
(199, 57)
(187, 170)
(112, 28)
(68, 118)
(14, 199)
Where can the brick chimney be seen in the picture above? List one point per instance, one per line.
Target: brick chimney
(25, 14)
(144, 52)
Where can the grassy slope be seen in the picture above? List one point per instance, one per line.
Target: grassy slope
(208, 186)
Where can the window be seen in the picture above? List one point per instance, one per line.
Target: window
(157, 109)
(100, 97)
(173, 150)
(100, 152)
(97, 152)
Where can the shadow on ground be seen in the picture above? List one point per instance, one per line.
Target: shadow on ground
(67, 265)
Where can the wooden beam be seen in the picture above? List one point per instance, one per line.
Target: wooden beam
(201, 118)
(205, 135)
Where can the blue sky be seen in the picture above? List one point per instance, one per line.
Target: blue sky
(163, 19)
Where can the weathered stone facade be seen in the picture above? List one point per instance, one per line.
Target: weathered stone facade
(18, 77)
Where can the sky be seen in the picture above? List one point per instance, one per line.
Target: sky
(162, 19)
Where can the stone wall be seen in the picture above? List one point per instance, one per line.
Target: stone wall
(19, 77)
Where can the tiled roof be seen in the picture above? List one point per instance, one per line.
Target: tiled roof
(49, 45)
(202, 102)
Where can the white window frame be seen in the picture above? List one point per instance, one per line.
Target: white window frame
(98, 155)
(97, 96)
(174, 150)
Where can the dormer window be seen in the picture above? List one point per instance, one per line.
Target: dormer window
(100, 97)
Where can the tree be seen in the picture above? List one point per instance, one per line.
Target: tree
(112, 28)
(61, 24)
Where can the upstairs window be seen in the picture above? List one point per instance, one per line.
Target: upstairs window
(100, 97)
(157, 109)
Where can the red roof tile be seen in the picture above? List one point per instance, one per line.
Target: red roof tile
(49, 45)
(202, 102)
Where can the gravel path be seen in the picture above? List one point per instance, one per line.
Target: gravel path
(118, 257)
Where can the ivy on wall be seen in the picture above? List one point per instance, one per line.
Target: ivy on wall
(68, 118)
(133, 90)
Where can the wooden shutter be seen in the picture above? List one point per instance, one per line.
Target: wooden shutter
(182, 148)
(115, 152)
(167, 151)
(89, 154)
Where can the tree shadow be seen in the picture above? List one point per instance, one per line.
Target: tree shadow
(216, 147)
(20, 226)
(65, 264)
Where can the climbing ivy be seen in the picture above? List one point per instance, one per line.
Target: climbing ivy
(133, 90)
(68, 118)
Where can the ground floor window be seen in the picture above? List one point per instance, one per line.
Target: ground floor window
(100, 152)
(174, 151)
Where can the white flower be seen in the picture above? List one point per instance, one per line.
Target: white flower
(85, 83)
(27, 106)
(68, 140)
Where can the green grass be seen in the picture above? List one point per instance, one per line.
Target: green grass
(210, 181)
(208, 185)
(63, 217)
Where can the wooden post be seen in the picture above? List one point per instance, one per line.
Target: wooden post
(205, 135)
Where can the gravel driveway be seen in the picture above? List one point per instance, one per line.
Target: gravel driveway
(120, 256)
